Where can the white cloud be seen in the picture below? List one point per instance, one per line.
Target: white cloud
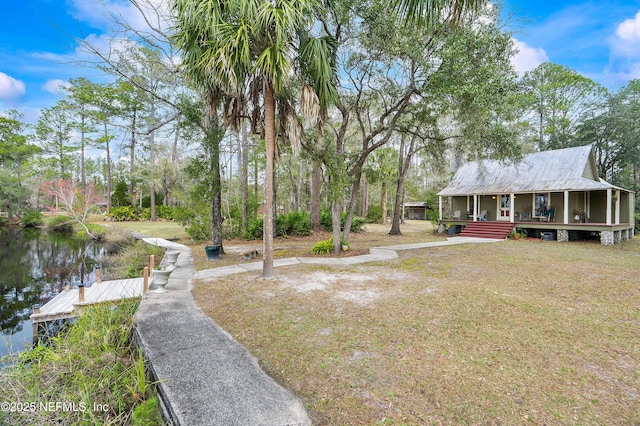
(626, 41)
(56, 87)
(527, 57)
(10, 88)
(156, 12)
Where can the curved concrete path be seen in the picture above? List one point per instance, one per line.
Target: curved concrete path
(205, 377)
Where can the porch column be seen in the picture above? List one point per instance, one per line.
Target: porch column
(566, 207)
(609, 206)
(617, 207)
(440, 207)
(475, 207)
(512, 208)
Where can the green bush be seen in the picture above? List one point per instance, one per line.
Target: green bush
(164, 212)
(323, 247)
(357, 225)
(326, 246)
(374, 214)
(293, 224)
(145, 214)
(32, 218)
(254, 229)
(60, 222)
(124, 213)
(637, 223)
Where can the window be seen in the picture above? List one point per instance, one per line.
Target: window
(542, 203)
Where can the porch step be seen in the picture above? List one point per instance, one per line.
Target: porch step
(485, 229)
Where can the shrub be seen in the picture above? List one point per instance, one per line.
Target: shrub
(323, 247)
(145, 214)
(293, 224)
(254, 229)
(60, 222)
(164, 212)
(357, 225)
(374, 214)
(637, 223)
(124, 213)
(32, 218)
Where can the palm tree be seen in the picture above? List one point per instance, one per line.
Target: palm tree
(238, 45)
(430, 12)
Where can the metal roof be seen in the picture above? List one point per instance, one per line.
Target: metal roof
(572, 169)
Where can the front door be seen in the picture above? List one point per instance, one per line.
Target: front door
(504, 207)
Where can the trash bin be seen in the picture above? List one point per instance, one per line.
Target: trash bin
(213, 252)
(452, 230)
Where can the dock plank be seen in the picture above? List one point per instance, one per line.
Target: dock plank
(66, 302)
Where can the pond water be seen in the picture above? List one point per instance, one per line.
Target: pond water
(34, 267)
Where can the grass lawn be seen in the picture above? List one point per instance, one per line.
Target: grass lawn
(507, 333)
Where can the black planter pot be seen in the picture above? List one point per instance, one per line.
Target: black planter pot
(213, 252)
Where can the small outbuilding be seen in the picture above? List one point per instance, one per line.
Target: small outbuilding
(415, 210)
(558, 191)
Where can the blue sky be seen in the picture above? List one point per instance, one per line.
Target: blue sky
(600, 40)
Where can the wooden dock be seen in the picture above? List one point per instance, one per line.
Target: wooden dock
(68, 302)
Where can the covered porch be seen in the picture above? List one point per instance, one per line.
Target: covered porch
(608, 213)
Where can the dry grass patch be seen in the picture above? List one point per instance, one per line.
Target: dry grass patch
(504, 333)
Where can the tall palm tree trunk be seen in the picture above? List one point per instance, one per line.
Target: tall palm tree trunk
(270, 145)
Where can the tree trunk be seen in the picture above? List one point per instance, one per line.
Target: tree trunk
(383, 202)
(152, 161)
(244, 179)
(316, 185)
(132, 156)
(353, 201)
(336, 219)
(168, 199)
(365, 198)
(108, 170)
(270, 145)
(83, 175)
(404, 164)
(214, 137)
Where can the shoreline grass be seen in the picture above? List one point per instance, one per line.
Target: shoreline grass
(91, 374)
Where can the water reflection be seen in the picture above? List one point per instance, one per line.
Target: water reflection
(34, 267)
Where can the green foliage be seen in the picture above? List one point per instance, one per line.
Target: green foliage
(323, 247)
(287, 225)
(60, 222)
(162, 212)
(146, 200)
(95, 361)
(32, 218)
(145, 214)
(326, 246)
(374, 214)
(357, 224)
(121, 196)
(196, 221)
(254, 229)
(132, 257)
(124, 213)
(147, 413)
(294, 224)
(637, 223)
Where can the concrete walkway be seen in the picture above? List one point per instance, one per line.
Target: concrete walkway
(205, 377)
(376, 254)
